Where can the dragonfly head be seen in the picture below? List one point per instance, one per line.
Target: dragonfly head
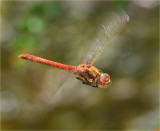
(104, 80)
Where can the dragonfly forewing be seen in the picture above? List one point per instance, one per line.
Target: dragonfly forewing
(107, 32)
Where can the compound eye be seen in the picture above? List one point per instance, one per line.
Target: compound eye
(102, 78)
(107, 80)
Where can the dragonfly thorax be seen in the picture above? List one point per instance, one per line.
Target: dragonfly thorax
(90, 75)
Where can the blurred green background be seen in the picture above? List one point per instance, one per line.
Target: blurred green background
(62, 31)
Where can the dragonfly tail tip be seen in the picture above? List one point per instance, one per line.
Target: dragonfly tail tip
(21, 56)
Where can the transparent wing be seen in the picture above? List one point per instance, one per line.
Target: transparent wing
(53, 82)
(109, 30)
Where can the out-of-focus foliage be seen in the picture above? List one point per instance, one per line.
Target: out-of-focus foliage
(32, 97)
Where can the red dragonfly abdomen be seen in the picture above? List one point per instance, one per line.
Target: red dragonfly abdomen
(48, 62)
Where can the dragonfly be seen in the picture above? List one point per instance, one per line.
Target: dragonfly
(86, 72)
